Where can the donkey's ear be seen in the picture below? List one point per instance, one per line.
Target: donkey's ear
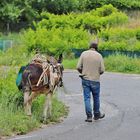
(97, 40)
(60, 58)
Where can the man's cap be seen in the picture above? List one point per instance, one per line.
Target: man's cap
(93, 45)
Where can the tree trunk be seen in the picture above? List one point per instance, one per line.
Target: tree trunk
(8, 27)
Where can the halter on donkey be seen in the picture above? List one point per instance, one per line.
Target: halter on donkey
(41, 76)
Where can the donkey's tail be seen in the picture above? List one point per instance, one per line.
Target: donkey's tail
(26, 82)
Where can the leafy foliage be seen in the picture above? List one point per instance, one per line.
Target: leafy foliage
(124, 38)
(62, 6)
(55, 34)
(11, 57)
(95, 19)
(55, 41)
(14, 11)
(25, 11)
(120, 4)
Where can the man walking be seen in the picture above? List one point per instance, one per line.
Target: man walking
(91, 66)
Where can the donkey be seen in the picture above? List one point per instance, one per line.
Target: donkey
(39, 79)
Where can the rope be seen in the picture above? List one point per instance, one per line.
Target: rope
(42, 76)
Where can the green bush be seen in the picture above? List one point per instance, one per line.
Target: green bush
(120, 39)
(55, 41)
(62, 6)
(104, 11)
(95, 19)
(55, 34)
(15, 56)
(126, 4)
(14, 15)
(8, 90)
(120, 4)
(117, 34)
(138, 34)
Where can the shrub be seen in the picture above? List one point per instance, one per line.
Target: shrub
(104, 11)
(55, 34)
(62, 6)
(120, 39)
(138, 34)
(15, 56)
(120, 4)
(55, 41)
(95, 19)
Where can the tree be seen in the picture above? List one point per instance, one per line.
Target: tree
(61, 6)
(15, 11)
(10, 14)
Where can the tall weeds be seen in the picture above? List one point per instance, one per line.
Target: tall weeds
(115, 63)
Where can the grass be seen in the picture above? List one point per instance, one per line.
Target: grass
(124, 64)
(113, 63)
(15, 122)
(58, 109)
(70, 64)
(15, 56)
(15, 37)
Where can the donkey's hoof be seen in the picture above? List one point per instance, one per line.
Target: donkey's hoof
(44, 120)
(41, 119)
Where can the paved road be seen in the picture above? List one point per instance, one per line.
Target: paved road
(120, 100)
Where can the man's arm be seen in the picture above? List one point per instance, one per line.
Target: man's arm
(102, 67)
(80, 64)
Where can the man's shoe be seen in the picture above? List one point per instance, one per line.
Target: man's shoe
(99, 116)
(88, 120)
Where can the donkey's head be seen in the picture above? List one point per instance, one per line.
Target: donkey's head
(56, 70)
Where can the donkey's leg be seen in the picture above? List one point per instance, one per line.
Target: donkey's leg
(30, 100)
(49, 112)
(27, 106)
(48, 106)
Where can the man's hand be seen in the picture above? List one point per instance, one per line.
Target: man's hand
(101, 72)
(79, 70)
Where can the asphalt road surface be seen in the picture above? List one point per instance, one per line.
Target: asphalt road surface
(120, 101)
